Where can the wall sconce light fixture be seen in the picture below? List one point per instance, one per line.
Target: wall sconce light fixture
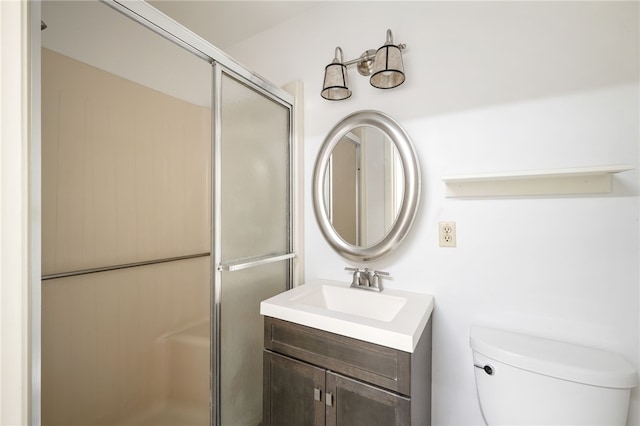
(384, 66)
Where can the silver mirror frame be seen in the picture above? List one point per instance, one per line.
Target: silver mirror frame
(411, 195)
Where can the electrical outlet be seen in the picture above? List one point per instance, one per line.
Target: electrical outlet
(447, 232)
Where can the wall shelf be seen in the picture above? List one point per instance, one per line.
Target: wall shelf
(579, 180)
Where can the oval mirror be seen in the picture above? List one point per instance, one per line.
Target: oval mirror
(366, 186)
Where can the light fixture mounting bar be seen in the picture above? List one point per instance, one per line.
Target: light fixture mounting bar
(366, 56)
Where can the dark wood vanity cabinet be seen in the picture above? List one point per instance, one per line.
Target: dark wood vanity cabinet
(316, 378)
(293, 392)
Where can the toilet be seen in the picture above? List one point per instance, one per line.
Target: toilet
(527, 380)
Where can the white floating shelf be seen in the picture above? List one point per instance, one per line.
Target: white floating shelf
(579, 180)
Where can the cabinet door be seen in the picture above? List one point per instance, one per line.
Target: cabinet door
(353, 403)
(293, 392)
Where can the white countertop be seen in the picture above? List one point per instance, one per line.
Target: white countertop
(365, 315)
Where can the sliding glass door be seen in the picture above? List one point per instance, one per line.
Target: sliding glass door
(252, 241)
(166, 219)
(126, 192)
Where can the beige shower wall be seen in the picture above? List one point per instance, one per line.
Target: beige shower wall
(125, 178)
(125, 170)
(105, 357)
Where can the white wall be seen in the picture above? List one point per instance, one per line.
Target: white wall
(14, 230)
(492, 87)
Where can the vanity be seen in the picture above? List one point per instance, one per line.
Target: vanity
(357, 355)
(328, 362)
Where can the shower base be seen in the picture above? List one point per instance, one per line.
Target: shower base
(186, 398)
(169, 414)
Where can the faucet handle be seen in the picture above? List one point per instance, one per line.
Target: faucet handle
(357, 276)
(376, 281)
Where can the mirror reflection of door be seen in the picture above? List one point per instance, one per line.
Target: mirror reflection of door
(344, 183)
(379, 168)
(364, 186)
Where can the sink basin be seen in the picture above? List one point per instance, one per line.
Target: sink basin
(362, 303)
(392, 318)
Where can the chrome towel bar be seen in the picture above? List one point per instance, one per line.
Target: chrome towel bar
(122, 266)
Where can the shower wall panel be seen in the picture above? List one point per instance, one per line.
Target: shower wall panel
(126, 178)
(125, 170)
(106, 340)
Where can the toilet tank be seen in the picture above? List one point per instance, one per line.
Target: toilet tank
(537, 381)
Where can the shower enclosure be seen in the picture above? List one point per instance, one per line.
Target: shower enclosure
(167, 217)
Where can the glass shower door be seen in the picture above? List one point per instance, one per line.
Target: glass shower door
(252, 244)
(126, 197)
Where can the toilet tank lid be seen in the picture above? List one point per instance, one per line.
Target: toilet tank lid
(553, 358)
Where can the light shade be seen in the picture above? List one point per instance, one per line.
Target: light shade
(388, 70)
(336, 83)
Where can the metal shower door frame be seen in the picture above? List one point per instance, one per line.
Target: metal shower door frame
(219, 266)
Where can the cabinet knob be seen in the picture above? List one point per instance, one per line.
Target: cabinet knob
(317, 394)
(329, 400)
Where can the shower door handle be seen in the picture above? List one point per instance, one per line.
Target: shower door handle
(244, 264)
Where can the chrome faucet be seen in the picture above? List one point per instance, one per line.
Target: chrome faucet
(366, 279)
